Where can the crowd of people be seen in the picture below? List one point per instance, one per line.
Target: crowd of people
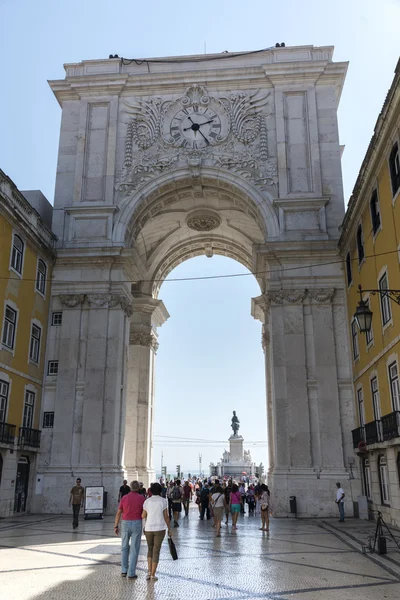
(164, 502)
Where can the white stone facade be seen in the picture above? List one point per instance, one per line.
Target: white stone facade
(140, 190)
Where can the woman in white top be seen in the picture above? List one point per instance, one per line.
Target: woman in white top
(218, 503)
(265, 507)
(155, 512)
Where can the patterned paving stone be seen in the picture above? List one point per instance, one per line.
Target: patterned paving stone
(42, 558)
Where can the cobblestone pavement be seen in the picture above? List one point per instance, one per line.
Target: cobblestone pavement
(41, 557)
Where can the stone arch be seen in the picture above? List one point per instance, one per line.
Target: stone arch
(135, 209)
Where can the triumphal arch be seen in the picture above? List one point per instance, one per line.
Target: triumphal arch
(164, 159)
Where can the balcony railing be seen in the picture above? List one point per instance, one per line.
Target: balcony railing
(373, 432)
(7, 433)
(29, 437)
(391, 425)
(358, 436)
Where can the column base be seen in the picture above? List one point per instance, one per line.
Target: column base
(58, 481)
(315, 492)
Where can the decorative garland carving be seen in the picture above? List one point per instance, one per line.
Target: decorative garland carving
(72, 300)
(144, 339)
(322, 295)
(110, 301)
(245, 114)
(292, 296)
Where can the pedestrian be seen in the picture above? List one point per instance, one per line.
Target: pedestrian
(198, 494)
(177, 497)
(123, 490)
(142, 490)
(205, 502)
(169, 498)
(76, 498)
(131, 508)
(227, 491)
(218, 503)
(235, 501)
(340, 501)
(242, 492)
(251, 499)
(155, 513)
(265, 507)
(187, 497)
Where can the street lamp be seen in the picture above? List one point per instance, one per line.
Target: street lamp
(363, 314)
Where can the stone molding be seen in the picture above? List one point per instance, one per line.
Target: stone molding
(97, 301)
(148, 339)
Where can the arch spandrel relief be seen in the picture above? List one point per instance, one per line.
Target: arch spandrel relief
(228, 131)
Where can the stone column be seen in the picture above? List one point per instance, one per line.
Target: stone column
(148, 314)
(89, 397)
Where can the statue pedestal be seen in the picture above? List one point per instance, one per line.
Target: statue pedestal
(236, 448)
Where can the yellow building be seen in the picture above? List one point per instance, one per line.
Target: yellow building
(26, 258)
(370, 247)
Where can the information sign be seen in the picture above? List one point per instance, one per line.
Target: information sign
(94, 500)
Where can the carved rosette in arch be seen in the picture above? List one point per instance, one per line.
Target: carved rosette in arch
(72, 300)
(110, 301)
(148, 339)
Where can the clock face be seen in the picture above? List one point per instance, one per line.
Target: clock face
(194, 127)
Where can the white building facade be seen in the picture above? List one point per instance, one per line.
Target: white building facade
(165, 159)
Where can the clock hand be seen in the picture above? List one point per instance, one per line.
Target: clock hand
(201, 133)
(197, 125)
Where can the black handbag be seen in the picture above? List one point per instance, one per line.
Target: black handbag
(172, 549)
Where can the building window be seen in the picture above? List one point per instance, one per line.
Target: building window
(9, 327)
(375, 398)
(29, 408)
(41, 277)
(360, 245)
(394, 165)
(34, 349)
(354, 336)
(56, 318)
(360, 402)
(384, 480)
(385, 300)
(348, 269)
(52, 367)
(369, 335)
(394, 385)
(17, 253)
(48, 420)
(375, 214)
(3, 400)
(367, 478)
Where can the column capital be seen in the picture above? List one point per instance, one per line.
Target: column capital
(110, 301)
(153, 307)
(72, 300)
(259, 308)
(143, 338)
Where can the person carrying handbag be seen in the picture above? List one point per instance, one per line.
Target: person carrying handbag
(218, 503)
(155, 513)
(265, 505)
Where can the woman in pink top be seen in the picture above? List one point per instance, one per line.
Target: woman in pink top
(235, 502)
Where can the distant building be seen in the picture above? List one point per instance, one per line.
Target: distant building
(236, 463)
(26, 259)
(370, 246)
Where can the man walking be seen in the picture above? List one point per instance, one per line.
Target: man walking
(131, 508)
(123, 490)
(76, 498)
(187, 497)
(177, 497)
(340, 501)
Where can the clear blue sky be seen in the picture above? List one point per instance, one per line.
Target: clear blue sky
(38, 37)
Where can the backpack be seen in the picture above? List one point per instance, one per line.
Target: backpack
(176, 493)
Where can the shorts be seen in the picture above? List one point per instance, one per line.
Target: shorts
(235, 508)
(176, 506)
(218, 513)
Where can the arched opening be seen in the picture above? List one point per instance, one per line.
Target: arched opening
(210, 362)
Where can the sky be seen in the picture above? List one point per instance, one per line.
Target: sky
(196, 390)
